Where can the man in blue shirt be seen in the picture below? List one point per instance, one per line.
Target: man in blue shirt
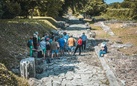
(61, 42)
(84, 39)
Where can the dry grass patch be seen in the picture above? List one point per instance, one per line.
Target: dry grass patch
(124, 35)
(127, 35)
(100, 33)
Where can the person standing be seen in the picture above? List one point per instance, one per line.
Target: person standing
(48, 47)
(79, 45)
(38, 39)
(54, 48)
(30, 45)
(61, 42)
(35, 41)
(71, 44)
(65, 36)
(84, 39)
(43, 46)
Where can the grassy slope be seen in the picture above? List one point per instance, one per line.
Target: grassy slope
(14, 35)
(7, 78)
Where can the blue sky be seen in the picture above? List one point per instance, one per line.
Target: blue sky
(111, 1)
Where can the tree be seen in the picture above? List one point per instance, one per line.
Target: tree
(94, 7)
(1, 11)
(10, 9)
(115, 5)
(50, 7)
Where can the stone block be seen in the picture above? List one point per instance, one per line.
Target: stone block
(27, 67)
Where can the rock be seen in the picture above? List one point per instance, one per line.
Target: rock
(34, 82)
(116, 45)
(105, 28)
(16, 71)
(56, 83)
(57, 68)
(92, 35)
(126, 25)
(39, 70)
(39, 61)
(77, 76)
(77, 27)
(27, 67)
(88, 31)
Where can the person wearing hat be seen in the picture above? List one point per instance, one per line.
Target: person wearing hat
(79, 44)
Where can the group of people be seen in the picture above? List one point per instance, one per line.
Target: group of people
(56, 44)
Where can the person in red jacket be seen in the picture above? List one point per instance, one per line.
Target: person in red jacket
(79, 45)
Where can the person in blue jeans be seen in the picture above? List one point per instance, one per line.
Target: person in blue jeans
(84, 39)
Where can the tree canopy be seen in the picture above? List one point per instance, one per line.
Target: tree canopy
(54, 8)
(13, 8)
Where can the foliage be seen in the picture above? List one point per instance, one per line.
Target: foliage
(55, 8)
(120, 13)
(94, 7)
(50, 7)
(13, 8)
(115, 5)
(91, 7)
(1, 11)
(125, 10)
(10, 9)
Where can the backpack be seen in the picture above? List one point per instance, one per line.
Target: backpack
(29, 43)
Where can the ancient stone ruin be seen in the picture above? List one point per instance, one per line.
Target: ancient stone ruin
(27, 67)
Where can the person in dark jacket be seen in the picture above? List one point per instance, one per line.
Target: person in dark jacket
(79, 45)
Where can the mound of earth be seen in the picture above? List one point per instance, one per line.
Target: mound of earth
(14, 35)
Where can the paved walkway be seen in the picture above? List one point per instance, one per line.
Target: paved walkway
(68, 70)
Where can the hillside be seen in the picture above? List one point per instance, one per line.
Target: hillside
(14, 35)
